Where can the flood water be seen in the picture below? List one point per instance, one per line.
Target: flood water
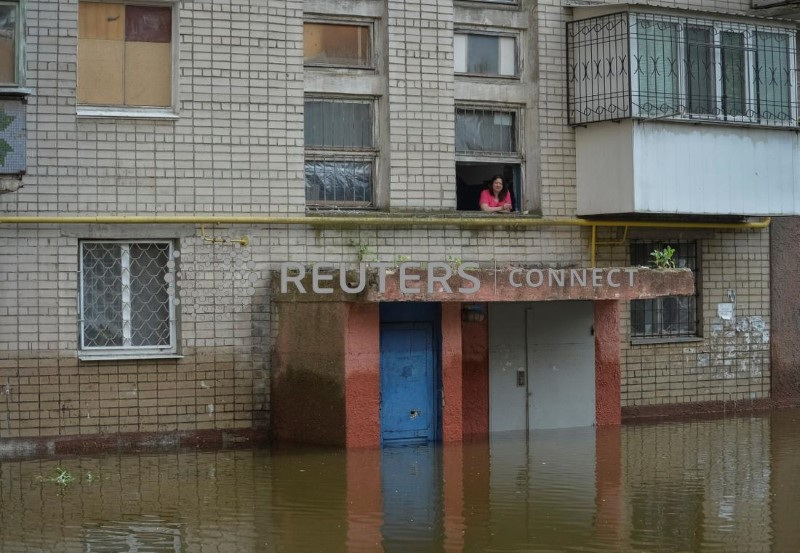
(716, 485)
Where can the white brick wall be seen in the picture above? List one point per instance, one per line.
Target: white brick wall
(237, 148)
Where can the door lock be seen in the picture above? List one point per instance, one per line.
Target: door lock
(520, 378)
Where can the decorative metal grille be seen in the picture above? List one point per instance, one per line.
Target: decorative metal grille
(672, 316)
(126, 299)
(651, 66)
(340, 152)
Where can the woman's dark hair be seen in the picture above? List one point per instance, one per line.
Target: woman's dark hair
(504, 192)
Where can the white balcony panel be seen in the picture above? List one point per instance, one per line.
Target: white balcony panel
(660, 167)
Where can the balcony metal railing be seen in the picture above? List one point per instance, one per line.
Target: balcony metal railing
(654, 66)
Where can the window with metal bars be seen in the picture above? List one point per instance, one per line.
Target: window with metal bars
(340, 152)
(671, 316)
(652, 66)
(126, 298)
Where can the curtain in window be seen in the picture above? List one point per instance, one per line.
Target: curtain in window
(332, 124)
(479, 130)
(773, 75)
(657, 67)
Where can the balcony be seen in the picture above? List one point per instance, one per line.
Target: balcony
(685, 116)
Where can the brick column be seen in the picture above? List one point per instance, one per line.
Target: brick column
(452, 423)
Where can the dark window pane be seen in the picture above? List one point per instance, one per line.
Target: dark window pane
(773, 71)
(148, 24)
(331, 124)
(8, 36)
(700, 73)
(102, 295)
(480, 130)
(150, 314)
(672, 316)
(734, 71)
(338, 181)
(329, 44)
(483, 54)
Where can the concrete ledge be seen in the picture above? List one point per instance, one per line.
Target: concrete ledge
(439, 282)
(131, 442)
(706, 409)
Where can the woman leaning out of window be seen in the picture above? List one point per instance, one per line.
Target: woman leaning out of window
(496, 198)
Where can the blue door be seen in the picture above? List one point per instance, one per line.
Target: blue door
(408, 383)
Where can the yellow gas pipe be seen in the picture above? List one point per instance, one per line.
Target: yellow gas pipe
(389, 221)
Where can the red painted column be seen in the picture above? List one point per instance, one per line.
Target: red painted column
(454, 528)
(452, 422)
(362, 375)
(609, 500)
(475, 384)
(607, 363)
(364, 502)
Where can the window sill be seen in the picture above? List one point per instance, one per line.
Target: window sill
(126, 113)
(681, 120)
(666, 340)
(128, 356)
(16, 91)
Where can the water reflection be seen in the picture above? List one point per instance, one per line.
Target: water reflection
(719, 485)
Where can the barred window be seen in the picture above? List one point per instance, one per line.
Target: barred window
(126, 299)
(340, 153)
(712, 69)
(672, 316)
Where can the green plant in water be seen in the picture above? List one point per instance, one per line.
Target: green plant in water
(63, 477)
(663, 259)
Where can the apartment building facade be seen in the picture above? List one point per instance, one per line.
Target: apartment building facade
(165, 160)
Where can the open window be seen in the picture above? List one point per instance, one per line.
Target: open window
(487, 144)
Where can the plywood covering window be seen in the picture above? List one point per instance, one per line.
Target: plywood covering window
(9, 42)
(124, 55)
(336, 44)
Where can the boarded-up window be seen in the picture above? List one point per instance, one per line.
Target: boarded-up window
(124, 55)
(9, 13)
(336, 44)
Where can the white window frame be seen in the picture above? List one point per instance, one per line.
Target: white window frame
(506, 158)
(371, 155)
(718, 27)
(353, 22)
(467, 32)
(133, 112)
(127, 351)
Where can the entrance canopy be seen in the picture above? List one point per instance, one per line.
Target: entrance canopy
(442, 282)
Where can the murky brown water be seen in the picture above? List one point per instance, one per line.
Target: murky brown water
(722, 485)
